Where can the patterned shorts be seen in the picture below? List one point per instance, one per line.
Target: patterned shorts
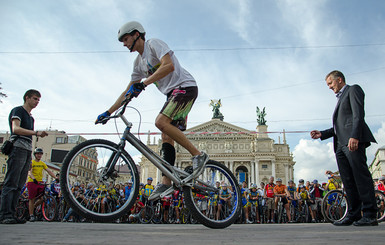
(178, 105)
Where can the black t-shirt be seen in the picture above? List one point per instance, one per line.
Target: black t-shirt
(26, 120)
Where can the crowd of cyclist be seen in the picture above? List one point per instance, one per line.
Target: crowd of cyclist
(260, 204)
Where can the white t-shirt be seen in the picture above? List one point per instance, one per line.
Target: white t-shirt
(145, 65)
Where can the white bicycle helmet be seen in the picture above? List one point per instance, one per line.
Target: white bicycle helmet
(128, 28)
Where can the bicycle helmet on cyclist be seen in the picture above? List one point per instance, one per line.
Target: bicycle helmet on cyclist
(128, 28)
(254, 186)
(279, 180)
(149, 178)
(290, 181)
(38, 150)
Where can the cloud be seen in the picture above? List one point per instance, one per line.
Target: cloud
(312, 159)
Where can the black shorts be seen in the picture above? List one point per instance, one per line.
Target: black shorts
(178, 105)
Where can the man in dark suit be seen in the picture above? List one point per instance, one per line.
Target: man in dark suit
(351, 137)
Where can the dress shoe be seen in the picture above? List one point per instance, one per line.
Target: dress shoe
(345, 222)
(366, 222)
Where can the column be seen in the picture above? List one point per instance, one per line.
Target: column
(273, 168)
(256, 167)
(231, 166)
(252, 167)
(286, 172)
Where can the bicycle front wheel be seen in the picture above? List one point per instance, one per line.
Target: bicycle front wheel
(100, 165)
(334, 206)
(205, 185)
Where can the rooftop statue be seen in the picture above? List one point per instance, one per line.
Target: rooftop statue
(261, 116)
(216, 104)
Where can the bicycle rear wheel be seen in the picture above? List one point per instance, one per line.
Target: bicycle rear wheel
(49, 208)
(204, 184)
(334, 206)
(88, 163)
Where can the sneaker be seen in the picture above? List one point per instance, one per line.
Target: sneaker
(158, 191)
(32, 218)
(313, 221)
(198, 164)
(248, 221)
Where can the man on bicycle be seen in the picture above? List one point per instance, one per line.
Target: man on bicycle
(315, 195)
(35, 179)
(280, 191)
(269, 196)
(157, 63)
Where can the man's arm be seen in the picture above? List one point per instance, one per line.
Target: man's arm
(165, 68)
(50, 173)
(22, 131)
(356, 97)
(120, 99)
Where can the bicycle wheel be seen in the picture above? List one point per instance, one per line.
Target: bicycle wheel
(146, 215)
(89, 162)
(185, 216)
(380, 200)
(334, 206)
(205, 184)
(22, 209)
(49, 208)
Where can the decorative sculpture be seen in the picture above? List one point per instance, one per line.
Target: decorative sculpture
(261, 116)
(216, 104)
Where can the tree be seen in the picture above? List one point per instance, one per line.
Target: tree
(2, 94)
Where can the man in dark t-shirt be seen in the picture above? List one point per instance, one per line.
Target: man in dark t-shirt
(21, 124)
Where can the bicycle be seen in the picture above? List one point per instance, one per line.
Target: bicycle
(281, 211)
(334, 205)
(47, 208)
(107, 158)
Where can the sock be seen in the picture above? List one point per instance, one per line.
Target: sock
(168, 153)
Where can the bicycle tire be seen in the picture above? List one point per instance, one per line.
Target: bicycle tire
(336, 205)
(102, 152)
(146, 215)
(49, 208)
(214, 171)
(380, 201)
(22, 209)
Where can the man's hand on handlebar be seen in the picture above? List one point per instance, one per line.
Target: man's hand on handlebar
(135, 90)
(102, 116)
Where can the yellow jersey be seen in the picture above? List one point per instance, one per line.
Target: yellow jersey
(37, 170)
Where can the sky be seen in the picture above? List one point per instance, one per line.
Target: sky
(248, 53)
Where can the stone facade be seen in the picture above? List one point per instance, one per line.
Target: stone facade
(252, 157)
(377, 167)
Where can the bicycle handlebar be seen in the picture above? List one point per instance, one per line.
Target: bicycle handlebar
(123, 106)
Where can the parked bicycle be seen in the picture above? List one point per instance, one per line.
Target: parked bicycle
(107, 160)
(47, 209)
(334, 205)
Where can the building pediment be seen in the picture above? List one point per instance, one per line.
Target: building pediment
(218, 127)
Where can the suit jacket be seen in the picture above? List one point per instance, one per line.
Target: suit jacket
(348, 119)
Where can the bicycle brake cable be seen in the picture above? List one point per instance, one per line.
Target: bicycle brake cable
(140, 120)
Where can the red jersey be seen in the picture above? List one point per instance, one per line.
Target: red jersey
(381, 187)
(269, 188)
(137, 207)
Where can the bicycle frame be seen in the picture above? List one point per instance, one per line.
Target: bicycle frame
(178, 176)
